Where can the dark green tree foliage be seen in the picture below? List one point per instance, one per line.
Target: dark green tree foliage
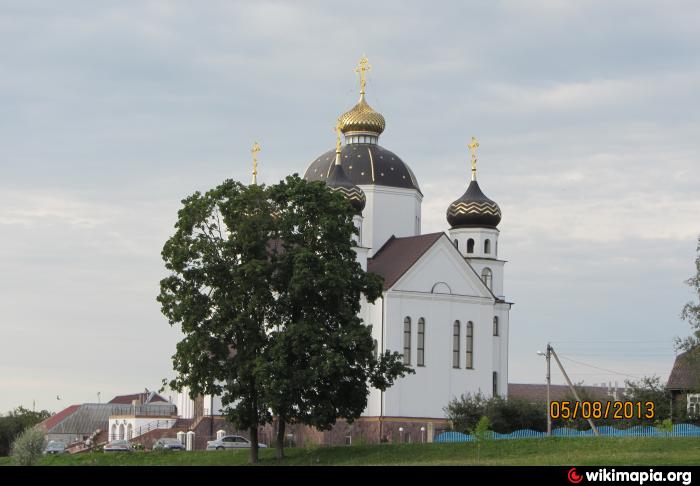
(16, 422)
(504, 416)
(219, 292)
(321, 354)
(266, 287)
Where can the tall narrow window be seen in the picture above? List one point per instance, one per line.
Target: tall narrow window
(420, 359)
(495, 383)
(407, 341)
(487, 277)
(375, 348)
(470, 245)
(495, 325)
(470, 345)
(456, 242)
(487, 246)
(456, 341)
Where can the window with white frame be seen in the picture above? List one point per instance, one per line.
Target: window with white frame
(470, 346)
(420, 358)
(693, 404)
(407, 340)
(487, 277)
(456, 341)
(495, 325)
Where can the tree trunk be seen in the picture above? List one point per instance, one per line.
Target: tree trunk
(280, 438)
(254, 444)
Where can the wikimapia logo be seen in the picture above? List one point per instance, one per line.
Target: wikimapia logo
(638, 477)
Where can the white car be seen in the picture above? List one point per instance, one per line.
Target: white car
(230, 442)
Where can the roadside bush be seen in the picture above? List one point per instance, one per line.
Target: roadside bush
(28, 447)
(504, 416)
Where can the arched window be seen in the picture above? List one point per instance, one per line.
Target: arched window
(129, 432)
(113, 432)
(376, 349)
(495, 383)
(407, 340)
(487, 246)
(121, 432)
(456, 243)
(487, 277)
(470, 245)
(420, 358)
(495, 325)
(470, 345)
(456, 341)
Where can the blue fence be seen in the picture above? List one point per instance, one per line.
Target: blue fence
(679, 430)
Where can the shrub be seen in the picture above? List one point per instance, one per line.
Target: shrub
(504, 416)
(28, 447)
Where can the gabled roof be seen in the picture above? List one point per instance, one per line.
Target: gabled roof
(150, 397)
(398, 255)
(56, 418)
(684, 375)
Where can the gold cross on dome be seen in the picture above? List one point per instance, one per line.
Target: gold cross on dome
(256, 148)
(472, 147)
(362, 69)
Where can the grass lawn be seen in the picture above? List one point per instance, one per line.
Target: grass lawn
(578, 451)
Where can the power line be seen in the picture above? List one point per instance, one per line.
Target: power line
(598, 367)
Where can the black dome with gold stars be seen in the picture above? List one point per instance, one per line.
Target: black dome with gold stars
(365, 164)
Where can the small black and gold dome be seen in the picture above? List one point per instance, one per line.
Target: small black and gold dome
(473, 209)
(338, 181)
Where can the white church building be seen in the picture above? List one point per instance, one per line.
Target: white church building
(443, 305)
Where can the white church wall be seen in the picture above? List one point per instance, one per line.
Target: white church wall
(389, 211)
(496, 267)
(442, 265)
(429, 390)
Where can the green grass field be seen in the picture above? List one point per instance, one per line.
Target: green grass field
(527, 452)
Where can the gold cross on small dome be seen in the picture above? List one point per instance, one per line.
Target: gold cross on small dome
(472, 147)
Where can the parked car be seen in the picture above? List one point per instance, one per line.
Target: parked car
(230, 442)
(119, 446)
(168, 444)
(56, 447)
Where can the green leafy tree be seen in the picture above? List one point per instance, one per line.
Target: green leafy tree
(482, 432)
(648, 389)
(28, 446)
(15, 422)
(464, 412)
(219, 292)
(321, 356)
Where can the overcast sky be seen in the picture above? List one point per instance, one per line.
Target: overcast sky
(588, 116)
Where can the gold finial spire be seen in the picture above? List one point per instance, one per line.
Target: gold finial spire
(361, 69)
(256, 148)
(472, 147)
(337, 128)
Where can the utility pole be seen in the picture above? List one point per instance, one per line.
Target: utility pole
(571, 386)
(548, 357)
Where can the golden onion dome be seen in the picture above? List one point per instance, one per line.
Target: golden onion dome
(362, 118)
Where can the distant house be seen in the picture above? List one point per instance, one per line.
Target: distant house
(683, 383)
(122, 417)
(538, 392)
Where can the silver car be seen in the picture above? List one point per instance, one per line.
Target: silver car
(168, 444)
(56, 447)
(119, 446)
(230, 442)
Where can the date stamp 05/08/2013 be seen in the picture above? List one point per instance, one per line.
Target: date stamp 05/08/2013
(571, 410)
